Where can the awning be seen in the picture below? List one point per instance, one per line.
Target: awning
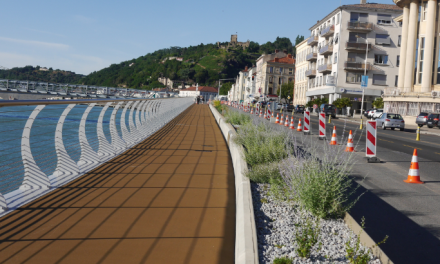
(272, 95)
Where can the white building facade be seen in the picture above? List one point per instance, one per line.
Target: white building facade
(301, 66)
(338, 46)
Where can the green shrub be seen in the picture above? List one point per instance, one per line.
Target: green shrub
(237, 118)
(262, 143)
(307, 238)
(263, 173)
(319, 180)
(283, 260)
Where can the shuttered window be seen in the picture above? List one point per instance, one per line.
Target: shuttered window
(383, 19)
(383, 39)
(379, 79)
(353, 77)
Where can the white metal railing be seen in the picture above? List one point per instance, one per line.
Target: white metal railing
(45, 144)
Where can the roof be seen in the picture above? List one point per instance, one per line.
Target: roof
(288, 60)
(206, 89)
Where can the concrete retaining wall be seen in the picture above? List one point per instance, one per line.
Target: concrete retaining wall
(246, 246)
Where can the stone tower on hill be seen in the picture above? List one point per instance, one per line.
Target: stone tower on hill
(234, 43)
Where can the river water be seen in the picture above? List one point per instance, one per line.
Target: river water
(12, 122)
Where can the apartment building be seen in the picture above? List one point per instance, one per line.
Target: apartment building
(249, 85)
(339, 44)
(418, 88)
(301, 66)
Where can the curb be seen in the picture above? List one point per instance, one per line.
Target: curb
(246, 245)
(366, 240)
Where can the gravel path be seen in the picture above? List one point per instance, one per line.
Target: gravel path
(276, 221)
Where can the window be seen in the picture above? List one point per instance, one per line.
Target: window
(379, 79)
(335, 60)
(400, 24)
(380, 59)
(422, 55)
(353, 77)
(383, 39)
(358, 17)
(396, 80)
(399, 40)
(290, 71)
(270, 79)
(383, 19)
(398, 61)
(425, 10)
(281, 70)
(270, 69)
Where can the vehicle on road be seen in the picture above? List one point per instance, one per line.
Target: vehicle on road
(367, 111)
(391, 120)
(433, 120)
(279, 106)
(328, 109)
(371, 113)
(377, 113)
(288, 107)
(299, 109)
(422, 118)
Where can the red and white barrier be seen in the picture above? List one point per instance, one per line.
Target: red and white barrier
(322, 126)
(306, 122)
(371, 142)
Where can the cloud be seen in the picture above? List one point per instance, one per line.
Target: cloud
(83, 19)
(35, 43)
(11, 60)
(44, 32)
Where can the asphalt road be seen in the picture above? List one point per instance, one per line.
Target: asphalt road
(408, 213)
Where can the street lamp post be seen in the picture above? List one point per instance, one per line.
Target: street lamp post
(365, 74)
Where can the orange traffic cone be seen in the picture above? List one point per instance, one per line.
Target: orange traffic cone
(334, 139)
(292, 126)
(277, 121)
(252, 110)
(299, 129)
(413, 174)
(261, 113)
(286, 123)
(350, 146)
(282, 117)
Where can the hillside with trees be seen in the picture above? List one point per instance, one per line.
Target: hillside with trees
(204, 64)
(36, 74)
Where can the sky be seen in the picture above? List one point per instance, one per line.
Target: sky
(86, 36)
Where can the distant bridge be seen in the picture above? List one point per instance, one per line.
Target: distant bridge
(16, 89)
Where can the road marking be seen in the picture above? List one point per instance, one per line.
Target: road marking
(386, 140)
(437, 153)
(412, 147)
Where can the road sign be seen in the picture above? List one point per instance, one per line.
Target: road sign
(288, 97)
(315, 106)
(364, 82)
(307, 122)
(322, 126)
(371, 139)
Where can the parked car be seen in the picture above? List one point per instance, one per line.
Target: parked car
(289, 107)
(433, 120)
(390, 120)
(299, 109)
(328, 109)
(422, 118)
(371, 113)
(377, 113)
(279, 106)
(367, 111)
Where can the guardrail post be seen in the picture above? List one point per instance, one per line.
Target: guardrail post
(34, 178)
(89, 157)
(66, 167)
(117, 142)
(133, 132)
(3, 204)
(105, 150)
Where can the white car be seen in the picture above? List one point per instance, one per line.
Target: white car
(377, 113)
(279, 106)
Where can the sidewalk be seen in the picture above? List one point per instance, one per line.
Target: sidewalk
(169, 199)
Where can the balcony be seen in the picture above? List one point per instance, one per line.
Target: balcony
(354, 46)
(326, 50)
(313, 40)
(324, 68)
(312, 56)
(328, 31)
(360, 26)
(356, 66)
(310, 73)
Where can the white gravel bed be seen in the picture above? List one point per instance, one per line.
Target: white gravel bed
(275, 222)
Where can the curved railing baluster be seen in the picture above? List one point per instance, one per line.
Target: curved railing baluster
(105, 150)
(34, 178)
(66, 167)
(89, 158)
(117, 142)
(125, 132)
(133, 132)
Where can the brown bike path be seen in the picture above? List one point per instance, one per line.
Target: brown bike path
(169, 199)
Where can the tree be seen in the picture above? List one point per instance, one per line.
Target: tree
(201, 76)
(254, 47)
(378, 102)
(286, 90)
(225, 88)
